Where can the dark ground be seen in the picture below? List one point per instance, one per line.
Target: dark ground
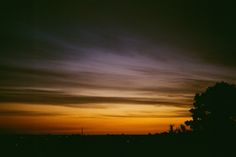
(116, 145)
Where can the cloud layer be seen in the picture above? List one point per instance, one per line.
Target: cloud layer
(87, 54)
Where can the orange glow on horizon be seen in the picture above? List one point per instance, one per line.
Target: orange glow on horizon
(95, 119)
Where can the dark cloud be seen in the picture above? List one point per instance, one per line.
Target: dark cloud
(21, 77)
(27, 113)
(150, 114)
(60, 98)
(147, 116)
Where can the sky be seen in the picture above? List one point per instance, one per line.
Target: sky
(110, 67)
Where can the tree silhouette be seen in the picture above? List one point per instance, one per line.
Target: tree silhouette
(171, 129)
(183, 128)
(214, 111)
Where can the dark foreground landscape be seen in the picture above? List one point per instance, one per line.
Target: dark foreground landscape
(117, 145)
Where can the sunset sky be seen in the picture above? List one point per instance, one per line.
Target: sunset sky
(110, 67)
